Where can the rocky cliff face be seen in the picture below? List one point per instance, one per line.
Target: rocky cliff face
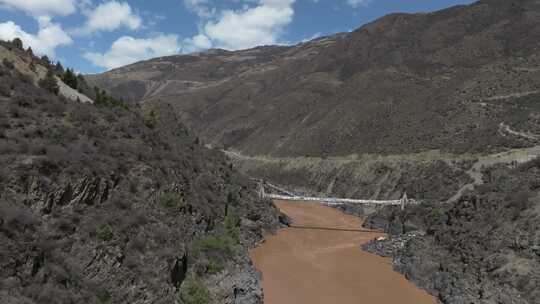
(103, 204)
(485, 248)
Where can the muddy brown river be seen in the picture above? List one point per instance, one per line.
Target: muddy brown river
(320, 261)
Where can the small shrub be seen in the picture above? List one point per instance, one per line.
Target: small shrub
(22, 102)
(133, 185)
(215, 250)
(101, 97)
(56, 135)
(436, 214)
(104, 297)
(232, 198)
(5, 89)
(26, 79)
(8, 64)
(83, 117)
(105, 233)
(213, 267)
(518, 201)
(232, 229)
(150, 120)
(221, 244)
(53, 107)
(194, 292)
(171, 200)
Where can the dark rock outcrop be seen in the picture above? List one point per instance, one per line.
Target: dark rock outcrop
(481, 249)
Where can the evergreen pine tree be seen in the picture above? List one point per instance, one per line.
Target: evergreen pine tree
(49, 83)
(46, 59)
(82, 85)
(17, 43)
(70, 79)
(99, 97)
(59, 68)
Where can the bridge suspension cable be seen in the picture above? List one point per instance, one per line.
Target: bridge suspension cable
(290, 196)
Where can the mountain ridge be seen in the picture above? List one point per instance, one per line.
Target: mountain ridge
(403, 83)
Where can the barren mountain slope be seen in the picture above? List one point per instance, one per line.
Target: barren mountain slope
(463, 79)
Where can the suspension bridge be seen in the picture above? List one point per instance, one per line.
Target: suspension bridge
(283, 194)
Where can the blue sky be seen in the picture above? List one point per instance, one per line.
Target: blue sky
(97, 35)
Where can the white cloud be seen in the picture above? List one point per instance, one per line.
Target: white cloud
(200, 7)
(201, 42)
(196, 43)
(358, 3)
(41, 7)
(128, 50)
(258, 22)
(249, 27)
(48, 38)
(110, 16)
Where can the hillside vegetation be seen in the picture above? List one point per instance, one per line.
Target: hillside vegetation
(100, 203)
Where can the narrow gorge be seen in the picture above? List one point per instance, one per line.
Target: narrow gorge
(213, 155)
(318, 260)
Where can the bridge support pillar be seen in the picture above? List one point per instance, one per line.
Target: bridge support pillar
(404, 201)
(261, 191)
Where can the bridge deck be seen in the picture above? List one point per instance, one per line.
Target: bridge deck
(337, 201)
(290, 196)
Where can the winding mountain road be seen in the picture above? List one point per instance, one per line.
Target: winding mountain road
(516, 156)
